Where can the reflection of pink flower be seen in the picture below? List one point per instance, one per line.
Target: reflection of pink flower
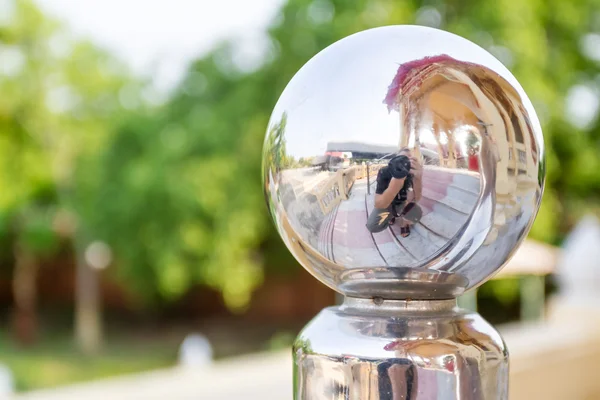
(449, 364)
(410, 69)
(390, 346)
(396, 344)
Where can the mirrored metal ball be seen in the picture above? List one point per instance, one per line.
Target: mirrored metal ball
(336, 154)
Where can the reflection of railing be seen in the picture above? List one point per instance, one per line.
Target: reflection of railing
(336, 188)
(348, 178)
(372, 170)
(331, 192)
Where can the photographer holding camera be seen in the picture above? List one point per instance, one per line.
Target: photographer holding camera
(399, 187)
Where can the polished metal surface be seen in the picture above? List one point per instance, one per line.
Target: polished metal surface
(396, 349)
(475, 147)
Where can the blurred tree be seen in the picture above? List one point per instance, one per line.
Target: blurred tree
(29, 200)
(105, 92)
(174, 189)
(35, 239)
(186, 204)
(60, 100)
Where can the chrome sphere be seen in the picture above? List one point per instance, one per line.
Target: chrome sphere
(403, 162)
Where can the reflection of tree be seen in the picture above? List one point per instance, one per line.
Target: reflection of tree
(276, 157)
(305, 161)
(472, 140)
(301, 348)
(304, 345)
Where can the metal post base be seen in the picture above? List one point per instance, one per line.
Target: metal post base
(370, 349)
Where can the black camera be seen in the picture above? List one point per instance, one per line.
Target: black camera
(400, 167)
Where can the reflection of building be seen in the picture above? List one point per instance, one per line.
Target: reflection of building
(367, 151)
(360, 150)
(461, 111)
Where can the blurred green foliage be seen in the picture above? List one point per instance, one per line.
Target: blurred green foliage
(175, 188)
(60, 101)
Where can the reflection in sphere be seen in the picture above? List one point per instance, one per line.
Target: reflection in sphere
(403, 162)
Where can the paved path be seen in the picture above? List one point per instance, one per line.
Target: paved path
(538, 352)
(265, 376)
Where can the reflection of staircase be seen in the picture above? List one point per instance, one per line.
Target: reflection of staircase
(352, 243)
(393, 251)
(448, 200)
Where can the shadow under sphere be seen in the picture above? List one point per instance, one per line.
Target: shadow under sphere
(340, 195)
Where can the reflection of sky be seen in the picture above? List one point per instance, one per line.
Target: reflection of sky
(338, 95)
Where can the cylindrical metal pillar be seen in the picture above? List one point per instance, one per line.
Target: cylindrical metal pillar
(393, 349)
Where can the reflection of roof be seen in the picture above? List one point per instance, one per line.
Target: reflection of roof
(409, 69)
(358, 147)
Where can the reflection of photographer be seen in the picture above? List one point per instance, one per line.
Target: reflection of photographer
(399, 187)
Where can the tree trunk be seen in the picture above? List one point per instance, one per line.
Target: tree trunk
(24, 319)
(88, 324)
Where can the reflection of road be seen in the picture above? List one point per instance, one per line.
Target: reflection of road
(448, 200)
(304, 180)
(300, 203)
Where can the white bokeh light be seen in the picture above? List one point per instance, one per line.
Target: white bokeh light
(13, 60)
(98, 255)
(429, 16)
(582, 105)
(590, 46)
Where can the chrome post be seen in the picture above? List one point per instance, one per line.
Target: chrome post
(398, 349)
(462, 185)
